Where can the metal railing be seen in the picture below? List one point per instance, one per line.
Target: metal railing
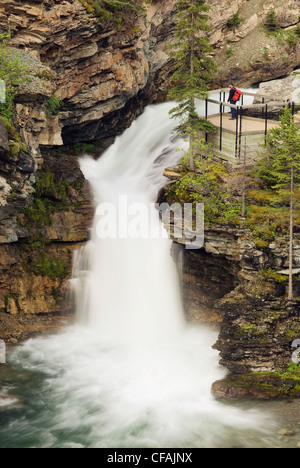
(240, 108)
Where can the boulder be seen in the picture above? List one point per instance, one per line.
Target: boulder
(286, 90)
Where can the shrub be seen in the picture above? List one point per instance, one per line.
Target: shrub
(53, 269)
(12, 72)
(234, 21)
(114, 11)
(271, 24)
(53, 105)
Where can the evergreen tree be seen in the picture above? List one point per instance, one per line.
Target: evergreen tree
(194, 67)
(280, 170)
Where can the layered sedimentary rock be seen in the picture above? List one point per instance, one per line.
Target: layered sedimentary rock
(97, 72)
(86, 82)
(248, 297)
(38, 242)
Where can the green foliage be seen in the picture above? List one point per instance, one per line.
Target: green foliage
(50, 196)
(271, 23)
(49, 190)
(234, 21)
(268, 222)
(205, 186)
(194, 67)
(53, 269)
(291, 38)
(281, 156)
(274, 276)
(37, 214)
(82, 148)
(12, 72)
(113, 11)
(53, 105)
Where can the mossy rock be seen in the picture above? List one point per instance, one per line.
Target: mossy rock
(259, 386)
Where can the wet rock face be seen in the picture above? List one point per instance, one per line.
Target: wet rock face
(231, 283)
(38, 237)
(206, 279)
(257, 334)
(258, 386)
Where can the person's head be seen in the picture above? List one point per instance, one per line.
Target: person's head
(231, 86)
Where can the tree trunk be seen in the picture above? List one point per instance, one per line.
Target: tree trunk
(291, 294)
(192, 153)
(192, 136)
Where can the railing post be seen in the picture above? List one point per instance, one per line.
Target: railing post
(236, 137)
(266, 124)
(206, 116)
(241, 130)
(221, 125)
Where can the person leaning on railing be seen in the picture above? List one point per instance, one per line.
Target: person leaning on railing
(234, 97)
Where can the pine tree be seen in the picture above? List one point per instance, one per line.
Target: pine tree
(194, 68)
(280, 170)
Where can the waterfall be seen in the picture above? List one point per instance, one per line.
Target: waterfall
(127, 286)
(131, 372)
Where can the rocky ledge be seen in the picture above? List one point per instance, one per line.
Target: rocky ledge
(239, 281)
(258, 386)
(242, 290)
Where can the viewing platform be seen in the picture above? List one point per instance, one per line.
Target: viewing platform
(247, 134)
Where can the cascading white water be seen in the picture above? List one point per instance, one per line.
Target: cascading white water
(130, 292)
(131, 373)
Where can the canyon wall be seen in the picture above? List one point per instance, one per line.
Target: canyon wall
(86, 82)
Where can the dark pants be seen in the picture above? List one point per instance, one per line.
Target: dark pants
(234, 112)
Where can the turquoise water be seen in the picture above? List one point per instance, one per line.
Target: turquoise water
(73, 392)
(131, 372)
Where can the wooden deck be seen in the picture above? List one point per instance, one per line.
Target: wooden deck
(250, 125)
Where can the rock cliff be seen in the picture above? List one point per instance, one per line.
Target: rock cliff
(104, 77)
(238, 280)
(86, 82)
(100, 75)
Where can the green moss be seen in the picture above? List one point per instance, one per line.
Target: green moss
(37, 215)
(54, 269)
(48, 188)
(273, 275)
(82, 148)
(248, 328)
(8, 298)
(267, 385)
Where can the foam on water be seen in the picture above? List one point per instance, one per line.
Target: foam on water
(131, 372)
